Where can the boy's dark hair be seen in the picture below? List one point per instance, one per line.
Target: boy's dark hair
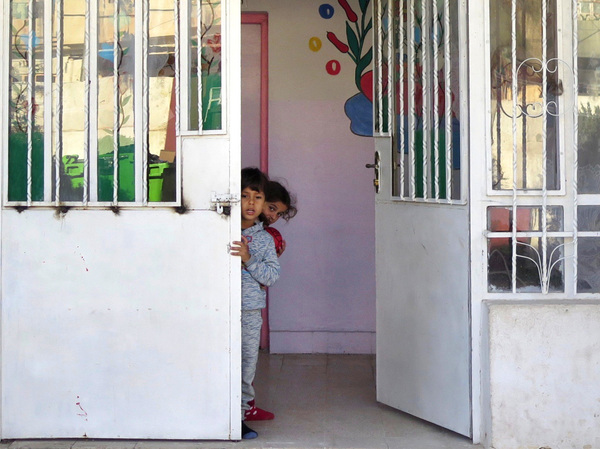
(254, 179)
(277, 192)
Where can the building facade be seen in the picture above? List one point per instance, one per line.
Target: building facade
(464, 256)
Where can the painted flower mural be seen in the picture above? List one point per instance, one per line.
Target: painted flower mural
(358, 108)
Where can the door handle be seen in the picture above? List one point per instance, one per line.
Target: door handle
(376, 167)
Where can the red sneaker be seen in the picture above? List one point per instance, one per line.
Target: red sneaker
(258, 414)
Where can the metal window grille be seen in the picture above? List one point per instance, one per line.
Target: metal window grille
(61, 54)
(418, 99)
(537, 182)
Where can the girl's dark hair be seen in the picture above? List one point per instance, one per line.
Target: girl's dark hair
(276, 192)
(254, 179)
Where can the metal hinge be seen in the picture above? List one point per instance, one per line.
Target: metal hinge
(221, 202)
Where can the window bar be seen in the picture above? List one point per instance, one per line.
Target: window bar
(524, 116)
(141, 127)
(86, 105)
(425, 89)
(448, 99)
(92, 170)
(411, 100)
(59, 99)
(379, 81)
(575, 140)
(185, 36)
(117, 106)
(224, 69)
(177, 76)
(48, 101)
(497, 169)
(514, 129)
(401, 112)
(390, 64)
(545, 275)
(145, 101)
(178, 63)
(30, 96)
(199, 68)
(436, 90)
(462, 100)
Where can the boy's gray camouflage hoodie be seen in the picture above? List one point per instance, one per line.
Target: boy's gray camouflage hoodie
(261, 270)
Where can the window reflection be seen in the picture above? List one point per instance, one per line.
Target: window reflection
(26, 96)
(588, 265)
(529, 270)
(529, 265)
(116, 70)
(588, 22)
(528, 218)
(70, 89)
(205, 45)
(162, 140)
(94, 97)
(533, 109)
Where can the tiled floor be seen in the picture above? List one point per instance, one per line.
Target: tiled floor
(319, 401)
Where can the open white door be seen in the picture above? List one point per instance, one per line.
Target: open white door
(120, 301)
(422, 219)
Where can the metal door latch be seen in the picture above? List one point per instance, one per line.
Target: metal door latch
(221, 202)
(375, 166)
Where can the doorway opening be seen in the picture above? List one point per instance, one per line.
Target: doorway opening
(255, 108)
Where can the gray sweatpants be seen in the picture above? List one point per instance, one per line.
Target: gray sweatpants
(251, 325)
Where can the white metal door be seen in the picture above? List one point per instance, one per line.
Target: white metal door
(422, 219)
(120, 315)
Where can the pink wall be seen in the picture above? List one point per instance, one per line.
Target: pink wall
(325, 298)
(251, 37)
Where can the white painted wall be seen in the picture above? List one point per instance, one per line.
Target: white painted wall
(124, 326)
(325, 298)
(544, 366)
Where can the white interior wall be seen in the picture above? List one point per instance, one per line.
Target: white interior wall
(325, 298)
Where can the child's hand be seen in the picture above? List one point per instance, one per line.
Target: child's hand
(241, 249)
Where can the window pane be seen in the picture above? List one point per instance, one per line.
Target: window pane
(529, 249)
(589, 97)
(208, 37)
(529, 265)
(533, 109)
(161, 72)
(116, 65)
(588, 218)
(69, 89)
(26, 105)
(528, 219)
(588, 265)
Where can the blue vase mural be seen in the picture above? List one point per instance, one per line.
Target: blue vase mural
(358, 108)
